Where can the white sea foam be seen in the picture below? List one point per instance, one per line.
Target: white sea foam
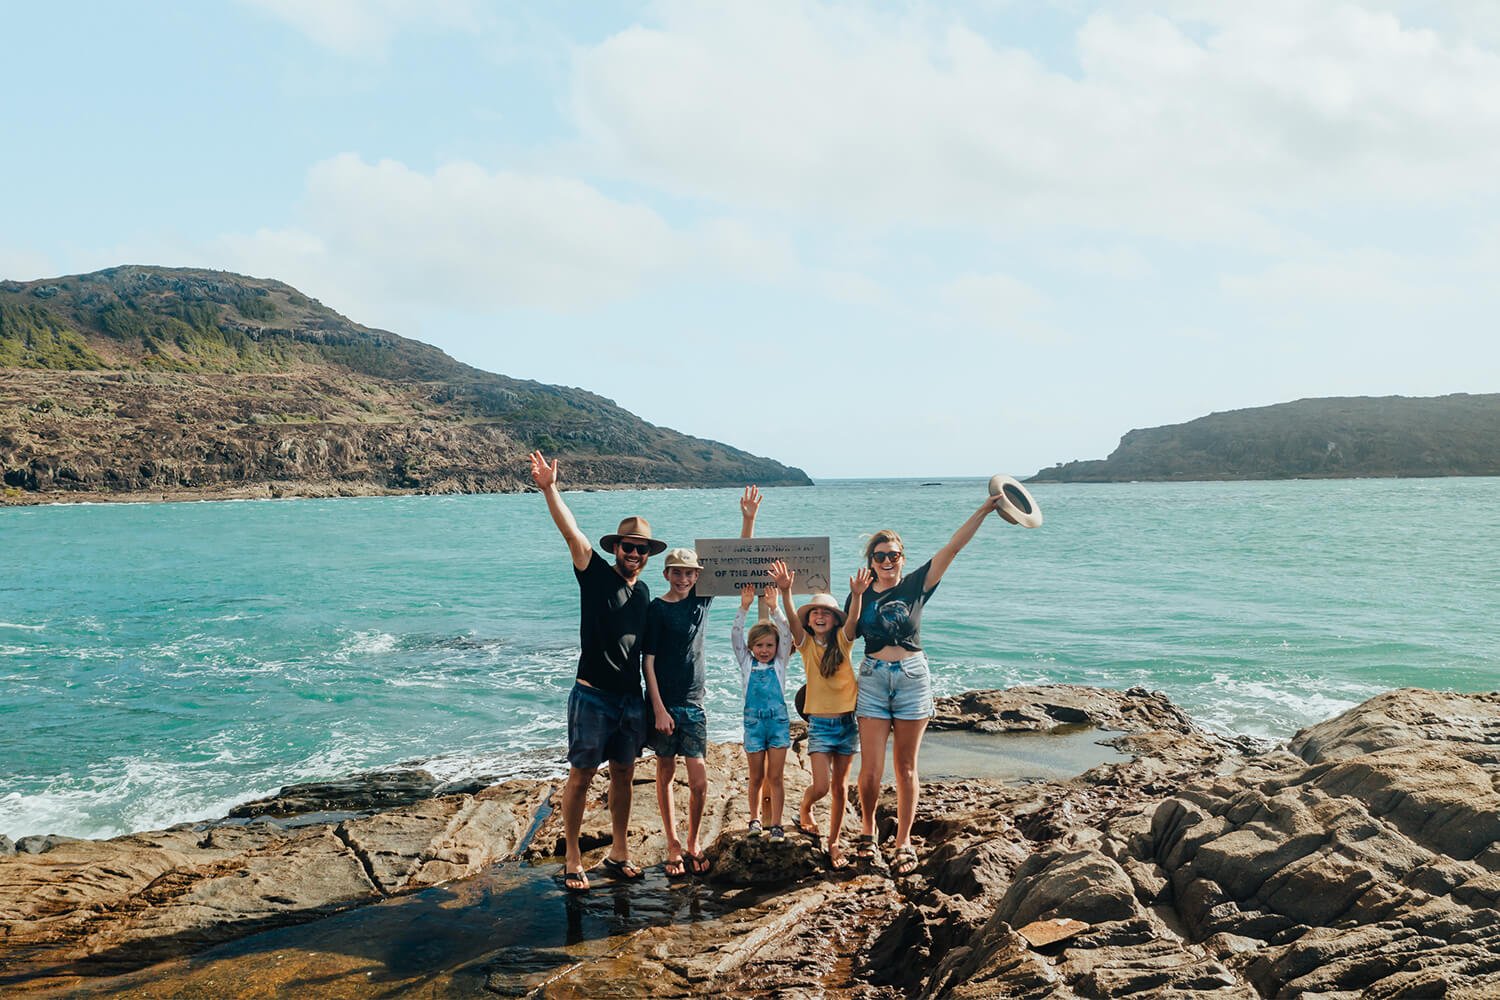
(368, 643)
(24, 628)
(12, 650)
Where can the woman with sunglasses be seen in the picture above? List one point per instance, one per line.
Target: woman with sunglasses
(895, 690)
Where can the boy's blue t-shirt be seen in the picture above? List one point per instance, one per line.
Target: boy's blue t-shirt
(674, 635)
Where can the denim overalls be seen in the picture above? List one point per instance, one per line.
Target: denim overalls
(766, 721)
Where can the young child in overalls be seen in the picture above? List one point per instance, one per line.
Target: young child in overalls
(763, 656)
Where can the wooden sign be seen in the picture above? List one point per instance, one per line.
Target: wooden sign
(730, 562)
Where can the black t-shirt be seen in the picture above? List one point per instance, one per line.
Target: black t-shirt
(894, 617)
(674, 635)
(611, 620)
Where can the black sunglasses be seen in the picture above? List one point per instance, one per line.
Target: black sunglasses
(635, 548)
(889, 555)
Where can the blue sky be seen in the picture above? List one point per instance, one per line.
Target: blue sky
(866, 239)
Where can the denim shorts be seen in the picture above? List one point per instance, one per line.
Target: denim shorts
(604, 726)
(836, 734)
(899, 690)
(689, 735)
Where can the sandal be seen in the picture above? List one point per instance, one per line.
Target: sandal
(755, 828)
(625, 871)
(778, 834)
(674, 867)
(837, 864)
(699, 863)
(906, 861)
(810, 832)
(864, 847)
(577, 882)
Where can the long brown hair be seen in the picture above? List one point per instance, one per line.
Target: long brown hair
(828, 664)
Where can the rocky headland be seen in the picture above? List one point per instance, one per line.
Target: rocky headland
(1362, 859)
(1328, 438)
(149, 383)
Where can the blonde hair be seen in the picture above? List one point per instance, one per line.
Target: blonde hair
(883, 535)
(760, 630)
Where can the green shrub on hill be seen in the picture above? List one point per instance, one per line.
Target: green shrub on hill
(31, 337)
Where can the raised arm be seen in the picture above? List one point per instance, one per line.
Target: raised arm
(783, 628)
(737, 631)
(749, 507)
(858, 584)
(783, 578)
(545, 477)
(945, 555)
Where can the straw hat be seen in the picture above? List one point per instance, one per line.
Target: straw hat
(685, 558)
(827, 603)
(633, 527)
(1016, 505)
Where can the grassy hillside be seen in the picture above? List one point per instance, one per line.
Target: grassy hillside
(1456, 435)
(148, 380)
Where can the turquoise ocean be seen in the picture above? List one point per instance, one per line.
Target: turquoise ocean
(161, 662)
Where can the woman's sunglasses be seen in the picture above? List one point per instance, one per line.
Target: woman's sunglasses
(634, 548)
(890, 555)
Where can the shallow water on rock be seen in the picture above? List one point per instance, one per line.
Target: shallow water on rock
(501, 931)
(1049, 755)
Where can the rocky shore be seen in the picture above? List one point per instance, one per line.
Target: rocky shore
(1362, 859)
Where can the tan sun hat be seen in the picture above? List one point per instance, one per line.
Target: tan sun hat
(1016, 505)
(685, 558)
(633, 527)
(827, 603)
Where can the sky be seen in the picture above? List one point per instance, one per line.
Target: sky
(866, 239)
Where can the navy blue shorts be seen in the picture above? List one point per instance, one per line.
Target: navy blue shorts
(603, 726)
(689, 735)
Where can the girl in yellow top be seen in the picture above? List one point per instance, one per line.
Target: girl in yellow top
(824, 635)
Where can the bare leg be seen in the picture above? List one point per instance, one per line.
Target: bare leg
(776, 788)
(873, 734)
(621, 777)
(840, 781)
(697, 795)
(575, 793)
(757, 762)
(908, 741)
(666, 768)
(816, 790)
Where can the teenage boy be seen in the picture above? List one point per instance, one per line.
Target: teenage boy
(606, 713)
(675, 681)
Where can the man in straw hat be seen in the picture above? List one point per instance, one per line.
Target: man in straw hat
(606, 713)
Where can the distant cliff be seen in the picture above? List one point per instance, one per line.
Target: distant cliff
(1338, 437)
(160, 381)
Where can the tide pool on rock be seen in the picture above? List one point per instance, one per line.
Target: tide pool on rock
(163, 663)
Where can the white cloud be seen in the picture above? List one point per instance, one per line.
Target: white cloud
(367, 27)
(1190, 127)
(461, 236)
(1367, 278)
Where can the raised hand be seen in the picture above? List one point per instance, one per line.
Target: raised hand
(781, 576)
(750, 501)
(542, 474)
(747, 595)
(769, 593)
(860, 582)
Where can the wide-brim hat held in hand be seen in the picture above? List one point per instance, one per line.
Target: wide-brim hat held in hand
(633, 527)
(827, 603)
(1016, 504)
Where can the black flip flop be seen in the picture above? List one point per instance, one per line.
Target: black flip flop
(699, 863)
(576, 882)
(679, 863)
(624, 871)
